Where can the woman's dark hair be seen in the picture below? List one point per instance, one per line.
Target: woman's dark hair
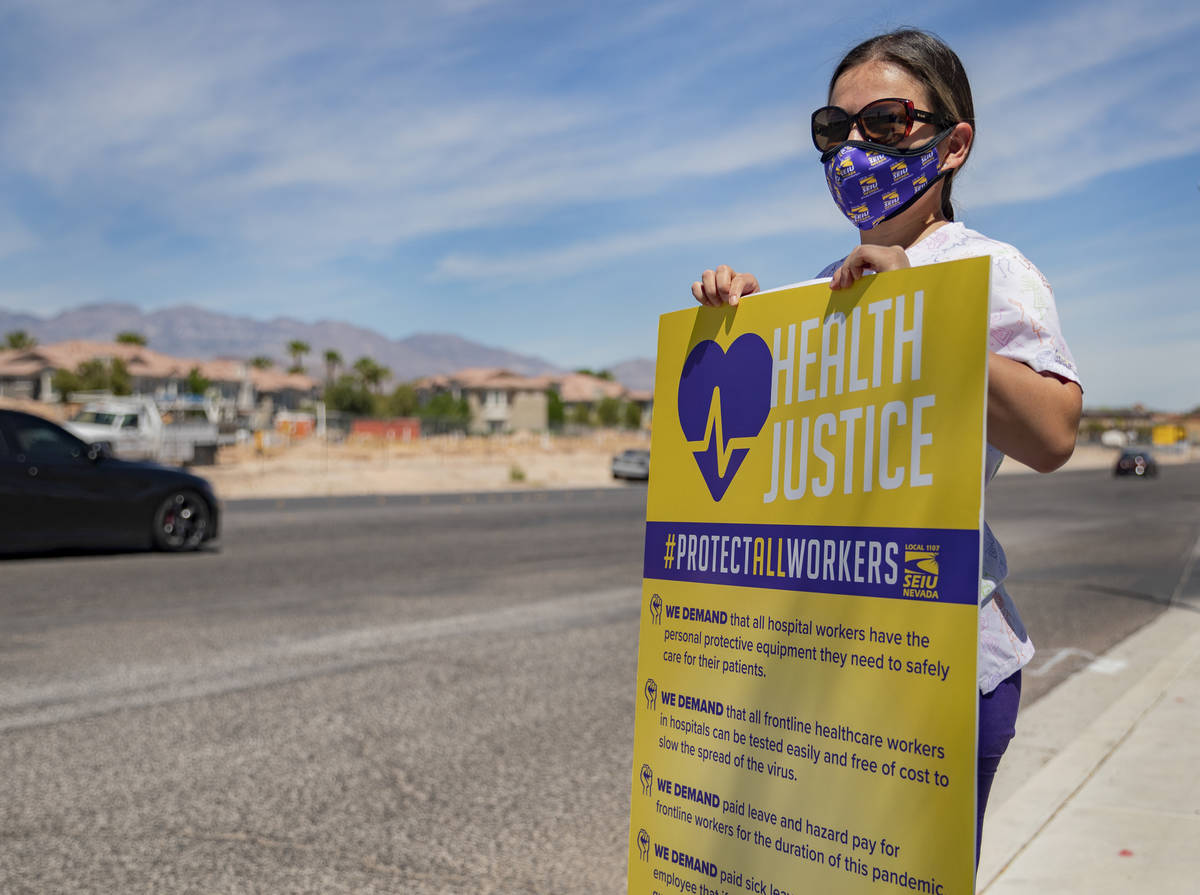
(930, 61)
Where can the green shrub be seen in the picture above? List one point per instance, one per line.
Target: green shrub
(608, 411)
(350, 395)
(632, 416)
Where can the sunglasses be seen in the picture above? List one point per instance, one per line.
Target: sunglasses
(884, 121)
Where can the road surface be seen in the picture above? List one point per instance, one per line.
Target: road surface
(420, 694)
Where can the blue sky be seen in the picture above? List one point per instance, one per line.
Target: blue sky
(550, 177)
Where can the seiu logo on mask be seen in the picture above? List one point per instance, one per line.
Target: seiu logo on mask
(893, 181)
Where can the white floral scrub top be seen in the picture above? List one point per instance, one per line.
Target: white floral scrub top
(1024, 326)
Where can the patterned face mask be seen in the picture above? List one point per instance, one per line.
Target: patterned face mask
(871, 183)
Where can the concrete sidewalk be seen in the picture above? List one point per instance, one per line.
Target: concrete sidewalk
(1100, 789)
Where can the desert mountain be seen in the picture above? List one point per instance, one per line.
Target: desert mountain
(194, 332)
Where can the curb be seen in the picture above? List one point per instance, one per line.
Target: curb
(1016, 823)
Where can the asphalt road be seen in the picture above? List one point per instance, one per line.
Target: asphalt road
(418, 695)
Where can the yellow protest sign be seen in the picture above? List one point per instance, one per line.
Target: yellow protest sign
(806, 709)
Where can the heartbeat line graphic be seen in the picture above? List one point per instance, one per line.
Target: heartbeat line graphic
(713, 429)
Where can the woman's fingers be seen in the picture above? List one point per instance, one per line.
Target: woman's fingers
(855, 265)
(724, 276)
(742, 284)
(705, 289)
(868, 258)
(723, 286)
(709, 279)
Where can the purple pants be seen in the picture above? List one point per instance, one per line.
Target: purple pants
(997, 724)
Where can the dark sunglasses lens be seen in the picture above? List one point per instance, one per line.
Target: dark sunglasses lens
(884, 122)
(830, 126)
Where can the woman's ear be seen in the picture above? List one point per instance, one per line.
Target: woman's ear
(957, 146)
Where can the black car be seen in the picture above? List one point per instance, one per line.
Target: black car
(1136, 461)
(59, 492)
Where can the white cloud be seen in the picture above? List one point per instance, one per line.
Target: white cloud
(232, 131)
(248, 146)
(15, 237)
(1079, 95)
(269, 127)
(1007, 64)
(722, 223)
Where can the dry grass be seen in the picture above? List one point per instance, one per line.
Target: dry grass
(440, 463)
(309, 467)
(373, 466)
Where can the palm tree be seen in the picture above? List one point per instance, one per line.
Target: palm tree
(297, 349)
(333, 360)
(20, 340)
(371, 373)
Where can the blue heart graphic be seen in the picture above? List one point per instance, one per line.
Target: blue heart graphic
(743, 375)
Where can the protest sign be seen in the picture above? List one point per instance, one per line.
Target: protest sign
(807, 698)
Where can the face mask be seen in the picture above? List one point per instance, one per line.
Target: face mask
(871, 183)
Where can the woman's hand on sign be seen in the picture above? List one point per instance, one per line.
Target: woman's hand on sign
(723, 286)
(866, 258)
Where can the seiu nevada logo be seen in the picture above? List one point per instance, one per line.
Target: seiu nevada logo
(920, 183)
(899, 170)
(928, 157)
(845, 168)
(860, 213)
(921, 571)
(890, 199)
(835, 184)
(724, 398)
(875, 159)
(869, 184)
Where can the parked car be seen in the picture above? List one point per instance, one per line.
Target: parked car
(633, 463)
(1136, 461)
(58, 491)
(138, 428)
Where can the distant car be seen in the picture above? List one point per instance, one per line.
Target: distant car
(58, 491)
(631, 464)
(1136, 461)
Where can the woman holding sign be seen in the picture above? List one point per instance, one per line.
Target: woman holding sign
(900, 104)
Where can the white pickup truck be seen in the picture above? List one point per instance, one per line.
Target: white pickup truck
(182, 432)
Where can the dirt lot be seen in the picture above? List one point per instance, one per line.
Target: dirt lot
(310, 467)
(442, 463)
(463, 464)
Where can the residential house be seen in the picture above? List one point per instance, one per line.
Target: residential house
(502, 401)
(645, 401)
(29, 373)
(499, 400)
(580, 391)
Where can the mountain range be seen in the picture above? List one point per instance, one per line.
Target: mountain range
(188, 331)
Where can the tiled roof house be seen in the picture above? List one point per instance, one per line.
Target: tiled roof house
(29, 373)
